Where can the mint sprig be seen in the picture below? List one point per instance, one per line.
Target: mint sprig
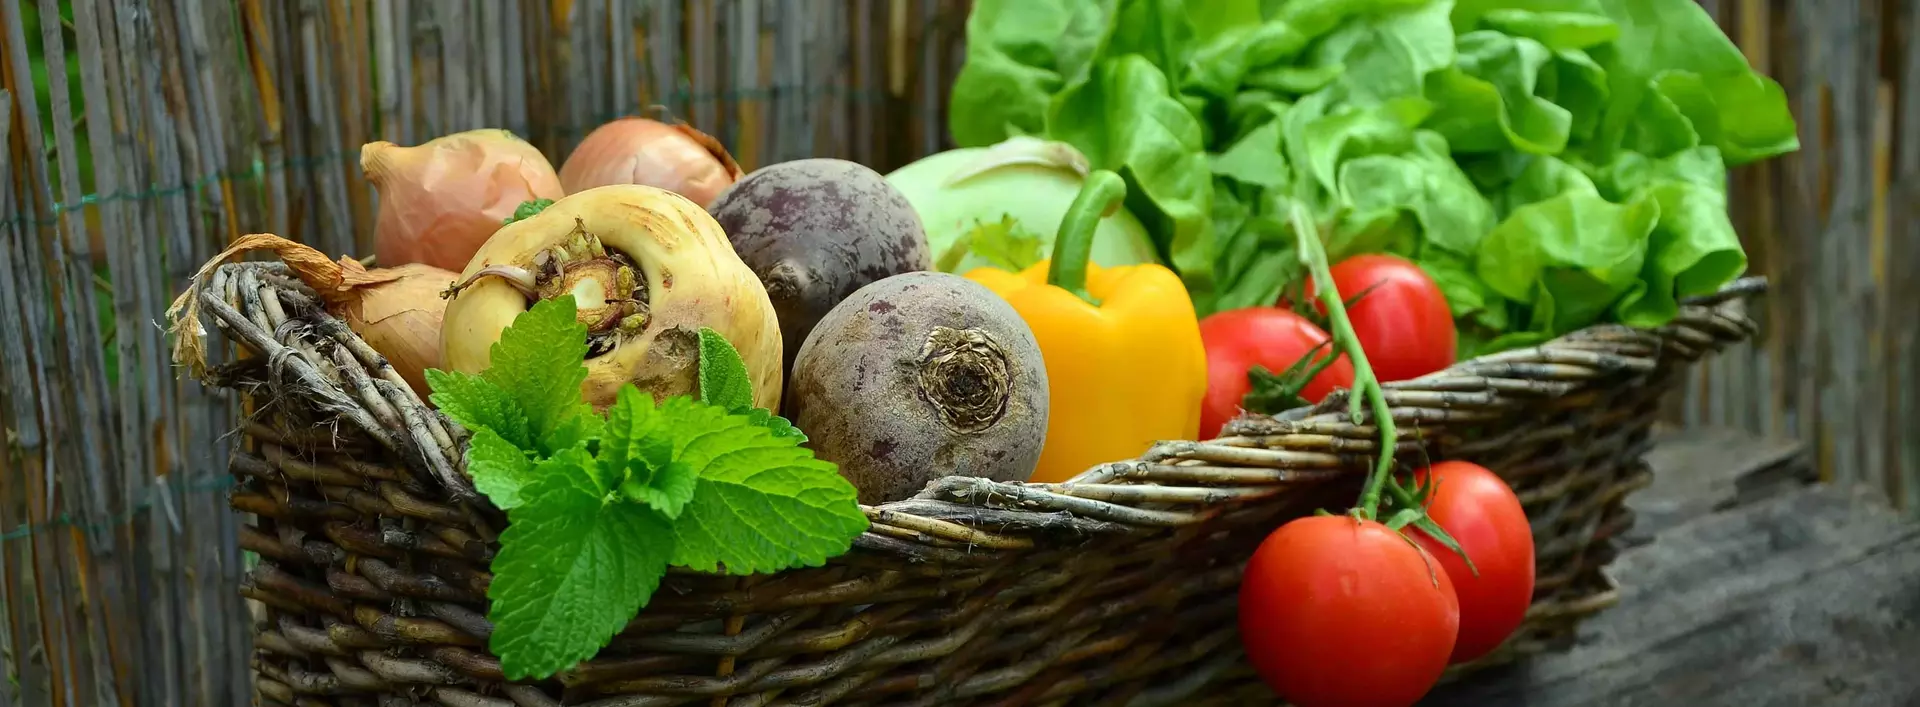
(724, 382)
(599, 507)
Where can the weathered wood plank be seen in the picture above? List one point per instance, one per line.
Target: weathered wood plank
(1808, 598)
(1700, 471)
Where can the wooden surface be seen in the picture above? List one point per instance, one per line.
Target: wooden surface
(1750, 588)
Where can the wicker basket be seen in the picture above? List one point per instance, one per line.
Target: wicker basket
(1116, 588)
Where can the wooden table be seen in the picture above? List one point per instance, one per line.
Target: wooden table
(1746, 584)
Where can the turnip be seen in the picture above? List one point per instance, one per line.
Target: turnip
(814, 231)
(647, 269)
(920, 376)
(1000, 206)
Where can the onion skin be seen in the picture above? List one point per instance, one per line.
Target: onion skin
(693, 276)
(400, 318)
(676, 158)
(439, 201)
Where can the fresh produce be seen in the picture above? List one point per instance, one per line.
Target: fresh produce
(1247, 351)
(599, 507)
(918, 376)
(1549, 164)
(1482, 513)
(1341, 611)
(397, 311)
(1125, 365)
(647, 268)
(999, 206)
(439, 201)
(1344, 610)
(1399, 314)
(634, 150)
(814, 231)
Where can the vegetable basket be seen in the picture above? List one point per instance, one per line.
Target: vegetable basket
(1115, 588)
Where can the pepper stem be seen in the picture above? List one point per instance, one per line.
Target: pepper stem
(1100, 196)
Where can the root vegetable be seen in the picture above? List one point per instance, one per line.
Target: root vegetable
(397, 311)
(439, 201)
(814, 231)
(647, 269)
(919, 376)
(676, 158)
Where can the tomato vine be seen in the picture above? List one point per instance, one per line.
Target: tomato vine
(1366, 393)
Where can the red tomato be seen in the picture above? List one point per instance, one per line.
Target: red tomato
(1336, 611)
(1403, 323)
(1273, 337)
(1478, 509)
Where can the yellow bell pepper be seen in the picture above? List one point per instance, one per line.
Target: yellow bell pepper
(1125, 364)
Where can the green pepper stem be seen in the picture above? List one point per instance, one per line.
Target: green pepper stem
(1365, 385)
(1100, 196)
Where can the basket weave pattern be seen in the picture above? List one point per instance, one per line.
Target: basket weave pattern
(1115, 588)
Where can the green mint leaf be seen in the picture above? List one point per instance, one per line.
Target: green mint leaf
(780, 426)
(668, 492)
(638, 450)
(498, 467)
(573, 569)
(526, 210)
(478, 404)
(723, 376)
(658, 451)
(763, 503)
(540, 361)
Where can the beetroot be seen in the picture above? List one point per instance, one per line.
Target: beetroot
(814, 231)
(920, 376)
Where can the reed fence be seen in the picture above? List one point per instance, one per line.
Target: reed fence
(140, 135)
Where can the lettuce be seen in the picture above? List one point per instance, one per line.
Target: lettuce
(1551, 163)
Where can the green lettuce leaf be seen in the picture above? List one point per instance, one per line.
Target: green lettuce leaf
(1550, 163)
(1126, 119)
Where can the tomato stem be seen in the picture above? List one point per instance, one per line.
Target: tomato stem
(1365, 385)
(1099, 197)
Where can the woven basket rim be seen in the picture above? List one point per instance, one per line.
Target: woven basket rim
(1173, 483)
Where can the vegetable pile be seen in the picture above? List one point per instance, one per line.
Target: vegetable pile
(1161, 218)
(1549, 163)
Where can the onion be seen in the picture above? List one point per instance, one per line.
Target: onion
(647, 152)
(395, 310)
(440, 200)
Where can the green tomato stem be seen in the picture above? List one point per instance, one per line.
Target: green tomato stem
(1100, 196)
(1365, 386)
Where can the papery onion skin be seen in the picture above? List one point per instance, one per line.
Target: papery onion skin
(400, 318)
(693, 277)
(439, 201)
(642, 151)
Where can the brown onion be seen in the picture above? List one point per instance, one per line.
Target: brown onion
(647, 152)
(439, 201)
(397, 310)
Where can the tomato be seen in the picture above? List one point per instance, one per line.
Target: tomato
(1403, 323)
(1238, 339)
(1338, 611)
(1478, 509)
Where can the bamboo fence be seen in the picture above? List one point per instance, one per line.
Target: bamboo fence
(140, 135)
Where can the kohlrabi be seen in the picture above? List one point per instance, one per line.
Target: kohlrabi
(999, 206)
